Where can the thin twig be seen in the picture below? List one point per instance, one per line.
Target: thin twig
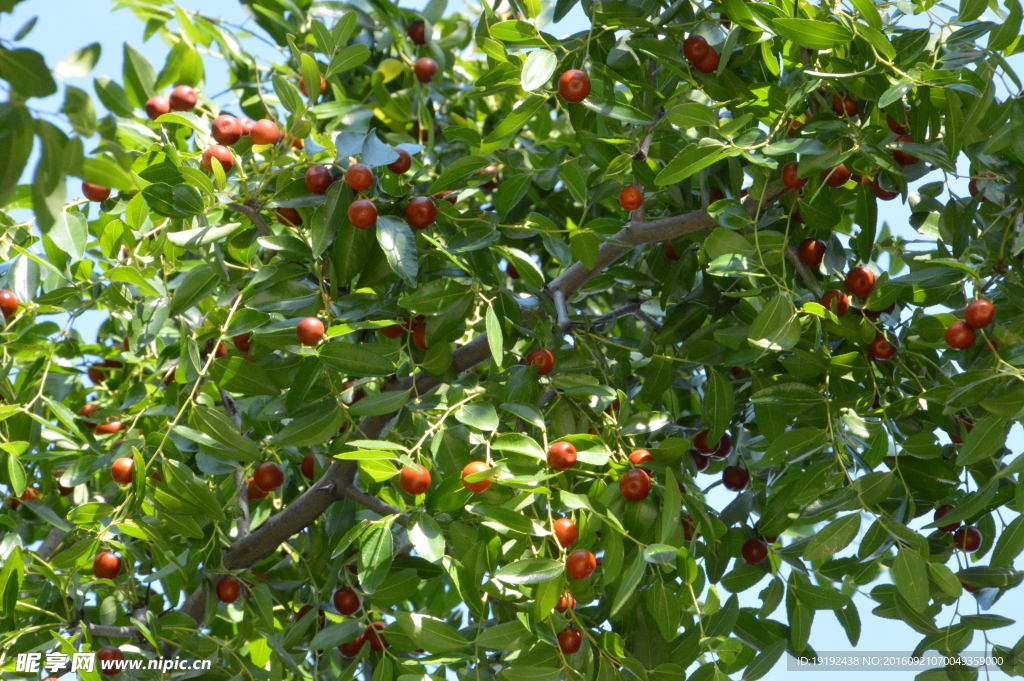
(652, 323)
(794, 257)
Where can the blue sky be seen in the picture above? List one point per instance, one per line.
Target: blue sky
(65, 25)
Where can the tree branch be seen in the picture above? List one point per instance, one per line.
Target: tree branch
(652, 323)
(794, 257)
(241, 482)
(252, 210)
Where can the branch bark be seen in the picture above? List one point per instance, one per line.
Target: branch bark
(252, 210)
(794, 257)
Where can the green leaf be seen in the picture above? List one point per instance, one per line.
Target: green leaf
(617, 110)
(103, 171)
(833, 538)
(429, 633)
(426, 537)
(494, 336)
(375, 554)
(310, 76)
(692, 115)
(80, 62)
(970, 10)
(530, 571)
(527, 268)
(356, 360)
(480, 415)
(811, 33)
(139, 77)
(910, 573)
(629, 583)
(719, 404)
(691, 160)
(435, 296)
(506, 636)
(218, 426)
(381, 403)
(520, 443)
(26, 71)
(537, 69)
(186, 118)
(511, 124)
(288, 94)
(396, 239)
(334, 634)
(194, 286)
(70, 232)
(455, 174)
(986, 577)
(193, 239)
(986, 438)
(314, 428)
(985, 622)
(776, 326)
(1010, 544)
(349, 58)
(766, 659)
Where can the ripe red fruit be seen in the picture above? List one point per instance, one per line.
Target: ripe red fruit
(709, 64)
(767, 539)
(511, 271)
(265, 131)
(402, 164)
(570, 641)
(566, 532)
(635, 485)
(30, 494)
(639, 456)
(790, 178)
(670, 251)
(735, 478)
(359, 177)
(419, 336)
(811, 251)
(844, 105)
(424, 68)
(471, 468)
(219, 153)
(255, 492)
(902, 157)
(415, 479)
(157, 107)
(960, 336)
(700, 441)
(226, 129)
(377, 640)
(565, 602)
(362, 214)
(630, 197)
(542, 359)
(268, 476)
(754, 551)
(393, 331)
(243, 342)
(421, 212)
(310, 331)
(95, 192)
(289, 216)
(979, 313)
(228, 589)
(561, 455)
(302, 86)
(308, 466)
(881, 349)
(8, 303)
(882, 193)
(940, 512)
(967, 539)
(183, 98)
(347, 602)
(836, 301)
(695, 48)
(106, 565)
(836, 176)
(108, 658)
(352, 648)
(87, 410)
(896, 126)
(417, 32)
(715, 194)
(121, 470)
(318, 179)
(109, 427)
(580, 564)
(700, 460)
(860, 281)
(724, 447)
(574, 85)
(246, 124)
(968, 588)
